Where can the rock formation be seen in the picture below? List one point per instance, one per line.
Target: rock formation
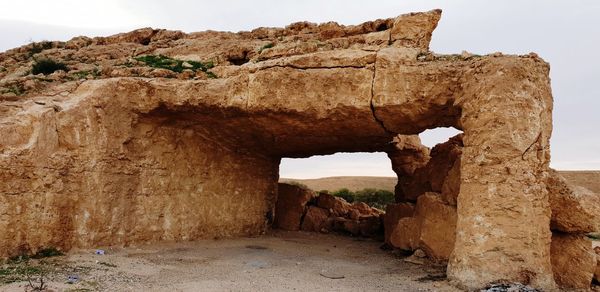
(325, 213)
(160, 135)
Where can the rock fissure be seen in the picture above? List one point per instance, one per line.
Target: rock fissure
(371, 100)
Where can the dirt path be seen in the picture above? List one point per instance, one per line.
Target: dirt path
(281, 261)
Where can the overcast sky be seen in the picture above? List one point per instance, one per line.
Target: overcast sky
(564, 33)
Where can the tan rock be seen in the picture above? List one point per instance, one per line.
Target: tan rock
(437, 223)
(291, 202)
(393, 214)
(415, 29)
(573, 261)
(315, 219)
(574, 209)
(337, 206)
(406, 234)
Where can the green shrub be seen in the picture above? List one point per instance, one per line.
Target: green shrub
(345, 194)
(267, 46)
(375, 198)
(175, 65)
(47, 66)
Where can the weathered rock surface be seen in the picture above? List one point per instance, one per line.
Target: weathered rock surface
(574, 209)
(438, 174)
(338, 207)
(437, 224)
(406, 234)
(315, 219)
(119, 150)
(393, 214)
(431, 227)
(573, 261)
(291, 203)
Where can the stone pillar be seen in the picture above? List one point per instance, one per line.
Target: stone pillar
(503, 228)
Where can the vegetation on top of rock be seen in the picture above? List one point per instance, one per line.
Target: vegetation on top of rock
(85, 73)
(175, 65)
(267, 46)
(16, 89)
(47, 66)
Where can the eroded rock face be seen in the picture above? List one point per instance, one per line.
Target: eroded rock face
(117, 151)
(573, 261)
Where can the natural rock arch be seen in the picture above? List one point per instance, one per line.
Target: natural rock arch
(124, 159)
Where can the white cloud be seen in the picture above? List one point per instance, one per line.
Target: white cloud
(71, 13)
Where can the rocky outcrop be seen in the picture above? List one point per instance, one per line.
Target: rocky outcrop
(160, 135)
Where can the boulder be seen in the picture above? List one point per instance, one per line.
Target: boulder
(315, 219)
(291, 202)
(406, 234)
(432, 227)
(573, 261)
(337, 206)
(437, 222)
(393, 214)
(574, 209)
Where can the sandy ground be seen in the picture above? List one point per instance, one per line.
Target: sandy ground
(280, 261)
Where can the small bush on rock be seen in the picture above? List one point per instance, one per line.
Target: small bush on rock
(47, 66)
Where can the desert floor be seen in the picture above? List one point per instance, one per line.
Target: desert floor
(279, 261)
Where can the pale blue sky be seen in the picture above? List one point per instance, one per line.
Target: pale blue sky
(564, 33)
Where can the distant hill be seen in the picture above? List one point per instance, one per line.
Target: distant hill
(589, 179)
(353, 183)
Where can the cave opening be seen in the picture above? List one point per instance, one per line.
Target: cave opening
(411, 206)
